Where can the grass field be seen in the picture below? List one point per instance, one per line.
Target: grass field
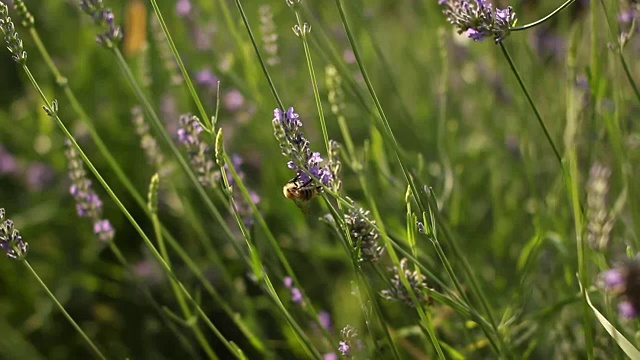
(286, 179)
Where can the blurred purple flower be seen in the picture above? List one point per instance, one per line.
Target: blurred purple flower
(344, 348)
(38, 176)
(325, 319)
(348, 56)
(183, 7)
(624, 282)
(330, 356)
(8, 163)
(296, 294)
(233, 100)
(206, 78)
(104, 230)
(627, 16)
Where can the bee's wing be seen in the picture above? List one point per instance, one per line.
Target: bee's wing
(302, 205)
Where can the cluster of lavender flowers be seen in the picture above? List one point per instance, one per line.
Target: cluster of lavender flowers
(104, 18)
(10, 240)
(477, 20)
(88, 204)
(364, 235)
(417, 282)
(200, 154)
(624, 281)
(14, 43)
(306, 163)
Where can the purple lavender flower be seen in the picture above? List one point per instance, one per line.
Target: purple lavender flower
(103, 18)
(306, 163)
(624, 282)
(296, 294)
(477, 20)
(10, 240)
(349, 336)
(103, 230)
(88, 204)
(344, 348)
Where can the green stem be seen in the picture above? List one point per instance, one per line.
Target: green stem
(124, 211)
(176, 290)
(314, 82)
(207, 122)
(274, 244)
(64, 312)
(536, 23)
(260, 59)
(530, 101)
(388, 134)
(571, 178)
(619, 51)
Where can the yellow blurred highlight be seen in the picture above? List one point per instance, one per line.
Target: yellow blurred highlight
(135, 27)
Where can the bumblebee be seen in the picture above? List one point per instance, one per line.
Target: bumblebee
(300, 192)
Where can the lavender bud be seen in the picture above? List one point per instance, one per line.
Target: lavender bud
(10, 240)
(364, 235)
(417, 282)
(14, 43)
(26, 19)
(200, 154)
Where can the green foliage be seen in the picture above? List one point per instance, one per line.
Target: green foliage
(469, 180)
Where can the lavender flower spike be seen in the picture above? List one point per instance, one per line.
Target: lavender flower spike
(477, 20)
(88, 204)
(306, 163)
(10, 240)
(104, 18)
